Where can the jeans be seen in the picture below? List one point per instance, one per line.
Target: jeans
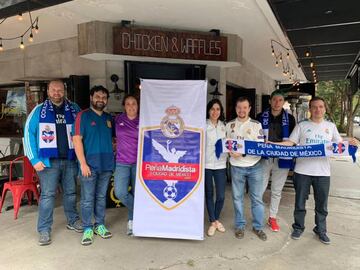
(93, 198)
(61, 171)
(321, 186)
(278, 178)
(254, 177)
(125, 175)
(219, 176)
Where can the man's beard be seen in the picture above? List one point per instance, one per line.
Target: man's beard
(99, 106)
(57, 100)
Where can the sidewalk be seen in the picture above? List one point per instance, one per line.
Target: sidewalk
(19, 249)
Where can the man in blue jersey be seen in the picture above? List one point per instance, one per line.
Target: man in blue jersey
(48, 145)
(93, 146)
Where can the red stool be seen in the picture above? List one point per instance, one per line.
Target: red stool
(28, 184)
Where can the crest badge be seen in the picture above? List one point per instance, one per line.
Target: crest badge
(170, 165)
(47, 135)
(172, 125)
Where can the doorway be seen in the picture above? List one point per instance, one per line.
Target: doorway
(232, 94)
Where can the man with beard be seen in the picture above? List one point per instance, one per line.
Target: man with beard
(48, 145)
(246, 168)
(93, 146)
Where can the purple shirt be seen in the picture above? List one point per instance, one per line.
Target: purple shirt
(126, 139)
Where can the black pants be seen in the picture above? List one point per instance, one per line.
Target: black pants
(321, 185)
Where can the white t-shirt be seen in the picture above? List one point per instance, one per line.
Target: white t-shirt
(212, 135)
(249, 130)
(309, 132)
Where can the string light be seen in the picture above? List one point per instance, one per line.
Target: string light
(31, 37)
(22, 46)
(279, 59)
(34, 27)
(312, 64)
(20, 17)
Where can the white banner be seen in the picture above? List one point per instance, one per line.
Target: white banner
(169, 192)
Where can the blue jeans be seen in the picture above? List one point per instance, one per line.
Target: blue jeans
(61, 171)
(93, 198)
(124, 175)
(254, 177)
(219, 176)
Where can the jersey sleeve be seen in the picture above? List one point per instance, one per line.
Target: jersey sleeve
(31, 131)
(336, 136)
(78, 127)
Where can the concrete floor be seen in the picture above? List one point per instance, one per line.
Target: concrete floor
(19, 249)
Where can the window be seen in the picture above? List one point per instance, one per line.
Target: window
(13, 110)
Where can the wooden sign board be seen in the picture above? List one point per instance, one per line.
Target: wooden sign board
(169, 44)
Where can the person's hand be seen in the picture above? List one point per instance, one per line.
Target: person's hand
(85, 170)
(354, 142)
(235, 155)
(39, 166)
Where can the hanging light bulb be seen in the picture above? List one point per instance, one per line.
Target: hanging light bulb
(272, 51)
(311, 64)
(307, 53)
(288, 55)
(1, 46)
(280, 59)
(20, 17)
(31, 37)
(276, 64)
(22, 46)
(36, 28)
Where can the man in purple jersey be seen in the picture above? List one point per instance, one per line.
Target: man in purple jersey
(127, 129)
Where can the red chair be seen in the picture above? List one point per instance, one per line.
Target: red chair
(28, 184)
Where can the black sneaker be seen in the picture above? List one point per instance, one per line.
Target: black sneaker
(296, 234)
(322, 237)
(44, 238)
(76, 226)
(239, 233)
(261, 234)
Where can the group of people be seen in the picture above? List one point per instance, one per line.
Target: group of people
(64, 143)
(57, 133)
(274, 125)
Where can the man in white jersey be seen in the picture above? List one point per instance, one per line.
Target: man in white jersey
(246, 168)
(313, 171)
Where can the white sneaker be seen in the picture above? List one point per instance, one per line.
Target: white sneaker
(129, 227)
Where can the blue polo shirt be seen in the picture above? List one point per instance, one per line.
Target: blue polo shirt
(96, 132)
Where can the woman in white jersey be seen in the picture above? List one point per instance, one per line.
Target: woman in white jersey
(215, 169)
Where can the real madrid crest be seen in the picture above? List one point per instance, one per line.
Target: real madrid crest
(172, 125)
